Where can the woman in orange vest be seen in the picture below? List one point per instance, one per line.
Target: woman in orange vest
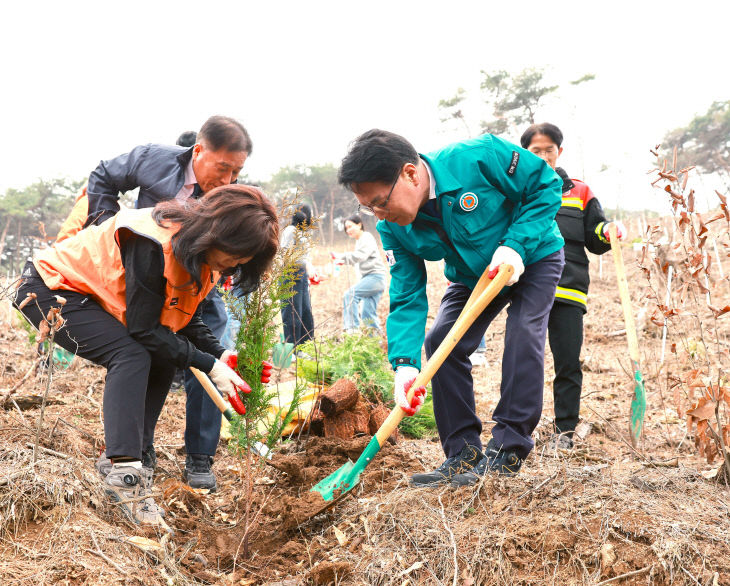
(132, 286)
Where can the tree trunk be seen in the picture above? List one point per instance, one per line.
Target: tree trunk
(17, 246)
(332, 217)
(3, 236)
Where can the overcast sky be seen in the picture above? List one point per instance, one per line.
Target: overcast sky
(85, 81)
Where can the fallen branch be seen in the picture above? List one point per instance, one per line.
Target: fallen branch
(626, 575)
(103, 556)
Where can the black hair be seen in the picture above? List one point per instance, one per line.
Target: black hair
(355, 219)
(377, 155)
(549, 130)
(236, 219)
(303, 216)
(187, 139)
(222, 132)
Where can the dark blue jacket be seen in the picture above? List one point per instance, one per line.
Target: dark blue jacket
(158, 170)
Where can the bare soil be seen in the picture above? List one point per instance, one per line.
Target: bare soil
(603, 510)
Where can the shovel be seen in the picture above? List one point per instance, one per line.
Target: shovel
(213, 393)
(346, 478)
(638, 404)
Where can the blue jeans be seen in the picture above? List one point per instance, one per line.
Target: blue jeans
(369, 290)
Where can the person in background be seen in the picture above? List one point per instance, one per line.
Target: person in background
(132, 287)
(583, 226)
(478, 204)
(371, 273)
(296, 312)
(187, 139)
(164, 172)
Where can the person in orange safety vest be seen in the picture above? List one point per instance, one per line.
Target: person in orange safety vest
(132, 287)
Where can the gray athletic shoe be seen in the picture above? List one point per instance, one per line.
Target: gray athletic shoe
(131, 488)
(149, 460)
(198, 473)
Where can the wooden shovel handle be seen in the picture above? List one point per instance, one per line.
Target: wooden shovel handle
(213, 393)
(474, 306)
(623, 291)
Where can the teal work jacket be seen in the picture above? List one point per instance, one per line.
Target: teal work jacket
(489, 193)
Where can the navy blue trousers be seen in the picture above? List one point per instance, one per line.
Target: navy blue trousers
(296, 312)
(202, 417)
(523, 362)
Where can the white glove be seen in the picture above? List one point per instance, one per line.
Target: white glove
(506, 255)
(620, 230)
(225, 378)
(404, 377)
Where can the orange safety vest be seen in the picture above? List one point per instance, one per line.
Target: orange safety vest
(75, 221)
(90, 263)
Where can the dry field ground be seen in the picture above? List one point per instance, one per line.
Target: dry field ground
(603, 513)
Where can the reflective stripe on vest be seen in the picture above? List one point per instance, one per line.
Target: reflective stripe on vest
(90, 263)
(571, 295)
(572, 202)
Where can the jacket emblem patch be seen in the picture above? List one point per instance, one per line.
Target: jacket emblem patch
(468, 201)
(389, 258)
(174, 301)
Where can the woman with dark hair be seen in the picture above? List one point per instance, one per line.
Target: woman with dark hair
(583, 226)
(371, 270)
(132, 286)
(296, 312)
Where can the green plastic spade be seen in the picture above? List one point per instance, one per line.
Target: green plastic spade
(344, 479)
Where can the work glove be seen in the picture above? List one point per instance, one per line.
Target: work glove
(620, 230)
(315, 279)
(404, 377)
(506, 255)
(227, 379)
(337, 258)
(231, 360)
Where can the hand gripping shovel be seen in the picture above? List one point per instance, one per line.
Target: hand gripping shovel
(638, 404)
(346, 478)
(217, 398)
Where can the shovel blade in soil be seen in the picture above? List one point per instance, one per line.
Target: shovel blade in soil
(345, 478)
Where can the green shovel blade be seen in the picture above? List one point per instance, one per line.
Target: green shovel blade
(346, 477)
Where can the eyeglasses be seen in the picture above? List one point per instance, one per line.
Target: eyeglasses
(369, 210)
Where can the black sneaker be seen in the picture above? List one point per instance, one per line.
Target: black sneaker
(496, 459)
(465, 461)
(198, 473)
(149, 457)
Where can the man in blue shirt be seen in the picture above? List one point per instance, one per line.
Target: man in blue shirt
(477, 203)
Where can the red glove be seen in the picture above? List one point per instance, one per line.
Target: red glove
(419, 396)
(315, 280)
(231, 360)
(227, 284)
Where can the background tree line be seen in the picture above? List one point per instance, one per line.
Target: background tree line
(30, 217)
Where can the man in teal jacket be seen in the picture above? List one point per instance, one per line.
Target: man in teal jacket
(477, 203)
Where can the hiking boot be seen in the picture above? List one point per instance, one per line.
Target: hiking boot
(198, 473)
(496, 459)
(465, 461)
(149, 460)
(131, 487)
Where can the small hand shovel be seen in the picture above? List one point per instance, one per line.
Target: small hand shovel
(346, 478)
